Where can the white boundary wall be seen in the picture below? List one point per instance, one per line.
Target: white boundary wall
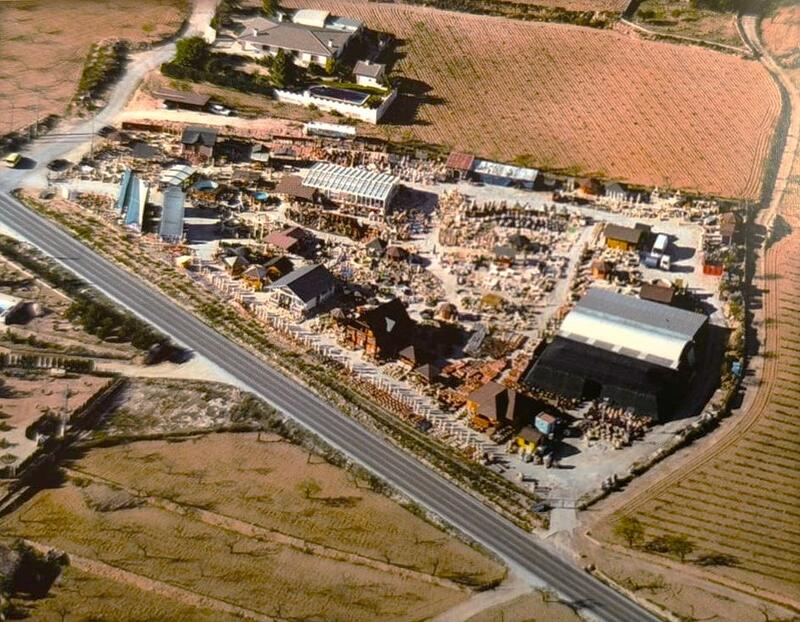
(362, 113)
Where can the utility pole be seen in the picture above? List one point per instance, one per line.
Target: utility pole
(91, 146)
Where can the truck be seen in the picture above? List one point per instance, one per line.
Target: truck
(661, 244)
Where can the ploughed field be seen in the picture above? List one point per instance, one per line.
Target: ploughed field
(43, 47)
(577, 99)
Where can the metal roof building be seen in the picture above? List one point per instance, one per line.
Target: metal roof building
(634, 327)
(504, 174)
(170, 227)
(637, 353)
(355, 186)
(132, 199)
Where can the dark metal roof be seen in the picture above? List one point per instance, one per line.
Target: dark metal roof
(307, 282)
(578, 370)
(182, 97)
(204, 135)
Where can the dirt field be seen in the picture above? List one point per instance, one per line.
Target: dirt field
(263, 487)
(577, 99)
(780, 29)
(678, 18)
(530, 608)
(257, 542)
(160, 406)
(738, 499)
(83, 596)
(43, 46)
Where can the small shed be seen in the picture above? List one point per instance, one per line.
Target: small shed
(185, 100)
(623, 238)
(368, 73)
(459, 164)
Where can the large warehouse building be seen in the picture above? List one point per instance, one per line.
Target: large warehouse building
(636, 353)
(353, 186)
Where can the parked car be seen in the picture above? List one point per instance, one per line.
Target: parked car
(12, 160)
(220, 110)
(541, 508)
(59, 164)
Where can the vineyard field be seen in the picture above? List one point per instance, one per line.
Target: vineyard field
(578, 100)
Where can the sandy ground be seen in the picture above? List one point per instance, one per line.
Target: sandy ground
(38, 78)
(26, 400)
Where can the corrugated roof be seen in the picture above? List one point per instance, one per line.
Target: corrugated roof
(172, 211)
(359, 182)
(619, 323)
(565, 366)
(460, 161)
(517, 173)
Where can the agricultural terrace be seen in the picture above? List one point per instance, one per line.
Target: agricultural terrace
(581, 100)
(740, 501)
(780, 30)
(278, 532)
(44, 46)
(678, 17)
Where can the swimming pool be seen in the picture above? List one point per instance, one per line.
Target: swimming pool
(342, 95)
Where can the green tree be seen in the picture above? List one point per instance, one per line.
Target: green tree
(309, 488)
(192, 52)
(679, 546)
(269, 7)
(630, 529)
(282, 70)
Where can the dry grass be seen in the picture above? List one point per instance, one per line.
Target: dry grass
(222, 521)
(780, 30)
(43, 46)
(206, 561)
(83, 596)
(261, 486)
(679, 18)
(577, 99)
(529, 608)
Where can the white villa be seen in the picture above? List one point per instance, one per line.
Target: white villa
(309, 36)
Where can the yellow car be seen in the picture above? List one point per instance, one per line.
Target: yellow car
(12, 160)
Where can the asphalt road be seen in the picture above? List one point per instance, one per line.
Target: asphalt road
(400, 469)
